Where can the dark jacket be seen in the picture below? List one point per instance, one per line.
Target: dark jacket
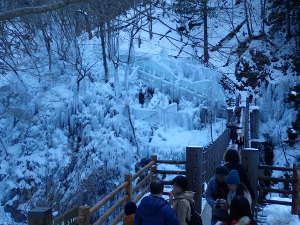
(240, 208)
(213, 192)
(155, 211)
(243, 176)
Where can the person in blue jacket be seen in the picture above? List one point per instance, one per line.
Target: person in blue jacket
(154, 210)
(216, 195)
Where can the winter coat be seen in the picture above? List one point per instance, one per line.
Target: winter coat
(243, 176)
(243, 221)
(213, 192)
(231, 195)
(182, 206)
(129, 220)
(155, 211)
(239, 208)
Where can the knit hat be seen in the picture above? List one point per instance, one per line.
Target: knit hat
(130, 208)
(233, 177)
(222, 170)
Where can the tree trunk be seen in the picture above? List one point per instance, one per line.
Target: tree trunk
(116, 80)
(206, 56)
(11, 14)
(288, 20)
(88, 27)
(263, 13)
(102, 37)
(129, 60)
(247, 18)
(150, 21)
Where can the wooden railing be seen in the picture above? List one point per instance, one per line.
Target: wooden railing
(213, 155)
(294, 181)
(130, 190)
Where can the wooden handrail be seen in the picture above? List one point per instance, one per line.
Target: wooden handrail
(107, 198)
(110, 211)
(129, 189)
(280, 191)
(173, 162)
(140, 184)
(277, 179)
(139, 173)
(278, 202)
(117, 219)
(275, 168)
(171, 172)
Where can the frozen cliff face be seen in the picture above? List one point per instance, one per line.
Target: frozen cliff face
(64, 153)
(276, 114)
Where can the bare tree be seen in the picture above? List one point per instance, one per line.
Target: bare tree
(205, 32)
(246, 10)
(263, 14)
(8, 15)
(104, 57)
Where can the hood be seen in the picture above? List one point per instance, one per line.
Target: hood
(150, 205)
(188, 195)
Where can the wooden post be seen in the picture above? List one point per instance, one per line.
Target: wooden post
(246, 125)
(296, 190)
(194, 159)
(40, 216)
(128, 190)
(250, 161)
(84, 215)
(154, 167)
(229, 115)
(254, 123)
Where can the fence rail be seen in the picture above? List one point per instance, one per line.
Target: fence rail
(294, 182)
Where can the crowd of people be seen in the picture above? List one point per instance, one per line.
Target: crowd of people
(228, 193)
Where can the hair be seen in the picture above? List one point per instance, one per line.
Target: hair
(181, 181)
(241, 189)
(156, 187)
(239, 208)
(232, 156)
(130, 208)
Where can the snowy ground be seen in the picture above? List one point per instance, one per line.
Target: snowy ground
(279, 215)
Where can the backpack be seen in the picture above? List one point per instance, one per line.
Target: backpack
(195, 216)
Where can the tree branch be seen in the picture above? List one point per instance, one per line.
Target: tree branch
(37, 9)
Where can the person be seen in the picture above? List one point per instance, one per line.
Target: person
(236, 188)
(139, 165)
(240, 213)
(129, 210)
(181, 199)
(233, 132)
(232, 162)
(154, 210)
(216, 195)
(141, 98)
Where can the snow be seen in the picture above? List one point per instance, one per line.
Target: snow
(280, 215)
